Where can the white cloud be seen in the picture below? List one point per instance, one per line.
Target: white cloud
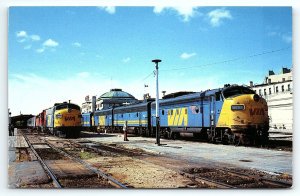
(21, 34)
(50, 43)
(126, 60)
(186, 12)
(287, 38)
(218, 15)
(108, 9)
(187, 55)
(76, 44)
(83, 74)
(22, 40)
(35, 37)
(27, 47)
(74, 87)
(40, 50)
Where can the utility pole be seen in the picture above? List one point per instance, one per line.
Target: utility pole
(156, 61)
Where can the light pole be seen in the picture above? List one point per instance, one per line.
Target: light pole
(156, 61)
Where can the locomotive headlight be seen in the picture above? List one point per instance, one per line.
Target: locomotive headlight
(237, 107)
(58, 116)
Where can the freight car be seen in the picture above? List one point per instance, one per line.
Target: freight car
(233, 114)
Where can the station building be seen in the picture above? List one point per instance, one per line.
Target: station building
(277, 89)
(114, 98)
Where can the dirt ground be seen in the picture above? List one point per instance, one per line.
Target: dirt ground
(139, 173)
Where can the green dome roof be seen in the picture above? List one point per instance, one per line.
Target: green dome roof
(116, 94)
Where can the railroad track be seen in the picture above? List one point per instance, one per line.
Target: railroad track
(225, 178)
(102, 179)
(200, 177)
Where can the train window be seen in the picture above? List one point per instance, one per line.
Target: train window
(218, 96)
(105, 117)
(197, 109)
(171, 112)
(177, 111)
(185, 111)
(137, 114)
(121, 115)
(163, 112)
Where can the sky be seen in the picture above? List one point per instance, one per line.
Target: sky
(57, 54)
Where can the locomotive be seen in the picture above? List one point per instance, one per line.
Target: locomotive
(63, 119)
(231, 115)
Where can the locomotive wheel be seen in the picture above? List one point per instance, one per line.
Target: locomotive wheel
(175, 136)
(210, 137)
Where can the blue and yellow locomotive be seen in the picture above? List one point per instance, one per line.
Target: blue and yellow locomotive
(233, 114)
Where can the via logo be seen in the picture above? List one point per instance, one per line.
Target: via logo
(256, 111)
(70, 118)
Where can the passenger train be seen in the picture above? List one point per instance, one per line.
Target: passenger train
(232, 115)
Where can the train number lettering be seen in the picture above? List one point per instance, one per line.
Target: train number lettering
(70, 118)
(257, 111)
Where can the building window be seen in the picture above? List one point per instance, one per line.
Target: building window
(259, 91)
(270, 91)
(265, 92)
(269, 81)
(276, 89)
(282, 88)
(289, 87)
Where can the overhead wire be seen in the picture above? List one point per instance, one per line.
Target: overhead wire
(219, 62)
(227, 61)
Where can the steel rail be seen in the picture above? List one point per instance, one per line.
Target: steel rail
(207, 181)
(258, 178)
(44, 165)
(89, 166)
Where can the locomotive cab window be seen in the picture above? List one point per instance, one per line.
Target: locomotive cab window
(236, 91)
(163, 112)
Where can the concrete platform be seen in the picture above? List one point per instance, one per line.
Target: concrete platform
(23, 173)
(17, 141)
(272, 161)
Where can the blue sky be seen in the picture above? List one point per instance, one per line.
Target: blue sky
(62, 53)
